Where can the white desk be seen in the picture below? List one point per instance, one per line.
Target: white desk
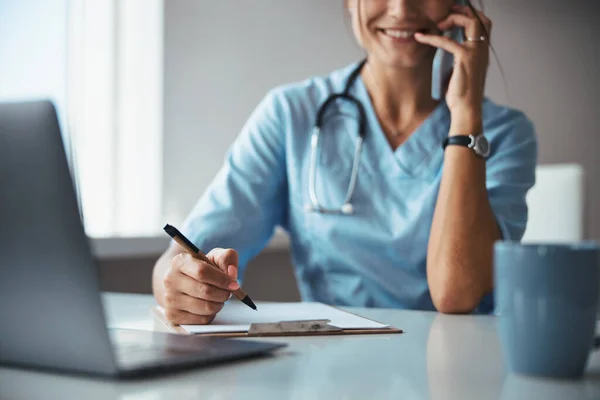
(438, 357)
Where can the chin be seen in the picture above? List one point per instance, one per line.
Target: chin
(405, 61)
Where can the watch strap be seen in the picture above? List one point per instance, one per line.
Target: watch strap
(460, 140)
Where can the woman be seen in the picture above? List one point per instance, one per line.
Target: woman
(422, 220)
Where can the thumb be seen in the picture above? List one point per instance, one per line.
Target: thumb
(225, 259)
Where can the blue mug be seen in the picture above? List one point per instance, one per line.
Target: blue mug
(546, 298)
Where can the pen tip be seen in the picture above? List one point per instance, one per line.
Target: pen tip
(248, 301)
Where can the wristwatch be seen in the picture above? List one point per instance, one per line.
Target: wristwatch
(478, 143)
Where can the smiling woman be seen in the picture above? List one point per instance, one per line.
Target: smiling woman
(427, 201)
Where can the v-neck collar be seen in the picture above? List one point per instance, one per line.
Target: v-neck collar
(409, 158)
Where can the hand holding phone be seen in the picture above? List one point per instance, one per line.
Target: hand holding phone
(443, 62)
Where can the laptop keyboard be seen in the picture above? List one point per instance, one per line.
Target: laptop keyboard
(131, 348)
(137, 353)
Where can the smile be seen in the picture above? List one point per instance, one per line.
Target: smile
(399, 34)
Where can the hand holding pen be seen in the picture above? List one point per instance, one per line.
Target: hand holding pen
(197, 285)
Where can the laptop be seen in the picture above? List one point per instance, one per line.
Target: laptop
(51, 313)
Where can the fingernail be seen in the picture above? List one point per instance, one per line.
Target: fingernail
(232, 271)
(233, 286)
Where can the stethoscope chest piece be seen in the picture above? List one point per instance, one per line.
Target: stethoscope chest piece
(345, 209)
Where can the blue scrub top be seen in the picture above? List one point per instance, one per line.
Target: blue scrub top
(377, 256)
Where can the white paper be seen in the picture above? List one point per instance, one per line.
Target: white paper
(237, 317)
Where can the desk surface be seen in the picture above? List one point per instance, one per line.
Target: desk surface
(438, 357)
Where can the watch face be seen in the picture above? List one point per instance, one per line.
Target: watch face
(482, 146)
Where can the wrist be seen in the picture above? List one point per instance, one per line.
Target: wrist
(466, 122)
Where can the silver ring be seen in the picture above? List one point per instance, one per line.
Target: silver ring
(476, 39)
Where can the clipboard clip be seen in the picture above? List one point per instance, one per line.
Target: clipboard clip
(305, 326)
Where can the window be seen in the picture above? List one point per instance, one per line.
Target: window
(115, 113)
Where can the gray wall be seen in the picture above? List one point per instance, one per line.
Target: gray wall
(549, 51)
(222, 56)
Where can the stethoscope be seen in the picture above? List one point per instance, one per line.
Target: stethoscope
(346, 208)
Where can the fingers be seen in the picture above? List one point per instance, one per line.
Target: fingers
(181, 317)
(204, 273)
(471, 25)
(195, 290)
(441, 42)
(466, 10)
(182, 308)
(232, 271)
(178, 301)
(224, 258)
(181, 283)
(464, 19)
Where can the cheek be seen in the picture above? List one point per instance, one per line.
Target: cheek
(359, 25)
(438, 10)
(363, 15)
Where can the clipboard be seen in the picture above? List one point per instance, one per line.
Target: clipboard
(318, 327)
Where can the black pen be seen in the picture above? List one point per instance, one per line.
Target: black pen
(196, 253)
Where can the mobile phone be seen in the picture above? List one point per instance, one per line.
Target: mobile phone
(443, 62)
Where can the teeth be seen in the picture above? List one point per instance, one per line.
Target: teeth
(395, 33)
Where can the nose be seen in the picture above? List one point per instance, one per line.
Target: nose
(403, 9)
